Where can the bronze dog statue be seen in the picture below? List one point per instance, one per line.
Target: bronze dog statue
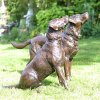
(70, 41)
(47, 59)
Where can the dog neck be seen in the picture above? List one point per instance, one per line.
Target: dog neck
(73, 31)
(54, 38)
(71, 35)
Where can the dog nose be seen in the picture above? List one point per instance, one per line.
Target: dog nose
(86, 15)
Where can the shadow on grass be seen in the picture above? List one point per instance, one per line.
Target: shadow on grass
(45, 82)
(51, 83)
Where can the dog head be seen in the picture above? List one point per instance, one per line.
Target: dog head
(58, 23)
(77, 21)
(79, 18)
(55, 28)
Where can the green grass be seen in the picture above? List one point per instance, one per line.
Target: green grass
(85, 84)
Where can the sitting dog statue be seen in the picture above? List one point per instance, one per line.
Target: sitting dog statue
(47, 59)
(70, 41)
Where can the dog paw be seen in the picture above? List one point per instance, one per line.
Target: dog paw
(69, 78)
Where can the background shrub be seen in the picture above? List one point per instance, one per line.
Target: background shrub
(44, 16)
(15, 34)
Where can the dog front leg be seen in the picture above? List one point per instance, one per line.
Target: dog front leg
(67, 69)
(61, 77)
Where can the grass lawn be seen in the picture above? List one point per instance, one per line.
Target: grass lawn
(85, 84)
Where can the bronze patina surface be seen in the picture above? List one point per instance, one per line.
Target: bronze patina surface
(47, 59)
(70, 38)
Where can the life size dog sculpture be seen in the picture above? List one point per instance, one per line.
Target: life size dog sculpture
(70, 41)
(47, 59)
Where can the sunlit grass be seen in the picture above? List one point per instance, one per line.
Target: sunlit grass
(85, 84)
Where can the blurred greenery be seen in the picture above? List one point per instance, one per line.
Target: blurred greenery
(45, 10)
(15, 35)
(44, 16)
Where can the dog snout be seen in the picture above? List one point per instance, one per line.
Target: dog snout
(85, 16)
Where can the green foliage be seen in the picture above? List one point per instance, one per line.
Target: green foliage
(86, 31)
(69, 8)
(44, 16)
(91, 29)
(45, 10)
(15, 34)
(23, 36)
(44, 4)
(10, 36)
(96, 30)
(17, 8)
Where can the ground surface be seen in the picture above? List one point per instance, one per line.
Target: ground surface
(85, 84)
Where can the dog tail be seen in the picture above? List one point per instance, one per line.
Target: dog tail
(21, 45)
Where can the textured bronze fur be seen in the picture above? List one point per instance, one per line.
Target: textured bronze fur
(47, 59)
(69, 45)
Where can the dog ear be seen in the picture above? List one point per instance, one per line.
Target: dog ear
(75, 19)
(58, 23)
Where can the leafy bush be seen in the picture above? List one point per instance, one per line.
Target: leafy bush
(96, 30)
(44, 16)
(23, 36)
(91, 30)
(87, 29)
(11, 36)
(15, 34)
